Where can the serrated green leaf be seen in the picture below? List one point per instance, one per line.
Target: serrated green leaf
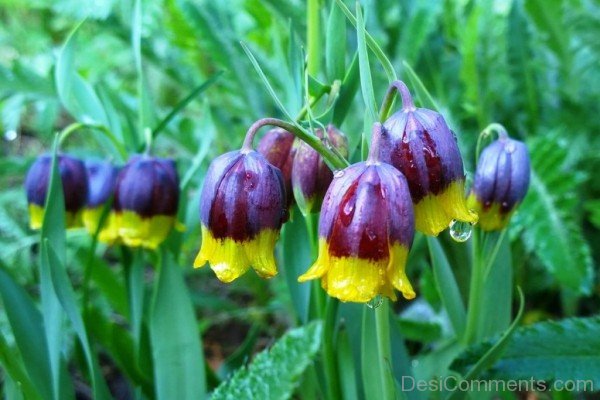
(274, 374)
(545, 351)
(548, 216)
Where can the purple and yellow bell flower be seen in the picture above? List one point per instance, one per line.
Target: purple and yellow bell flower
(277, 146)
(242, 208)
(501, 181)
(420, 144)
(146, 200)
(366, 229)
(75, 188)
(311, 176)
(102, 178)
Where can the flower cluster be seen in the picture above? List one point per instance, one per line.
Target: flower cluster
(135, 205)
(412, 179)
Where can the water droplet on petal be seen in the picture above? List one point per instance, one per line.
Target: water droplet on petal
(10, 135)
(510, 147)
(339, 174)
(460, 231)
(375, 302)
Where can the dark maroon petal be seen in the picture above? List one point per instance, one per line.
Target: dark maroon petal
(401, 220)
(420, 144)
(148, 186)
(277, 146)
(502, 175)
(360, 227)
(73, 176)
(248, 197)
(216, 171)
(342, 180)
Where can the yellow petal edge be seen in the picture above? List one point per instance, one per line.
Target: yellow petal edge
(136, 231)
(360, 280)
(229, 259)
(434, 213)
(109, 233)
(490, 218)
(36, 217)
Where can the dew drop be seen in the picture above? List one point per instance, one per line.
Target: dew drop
(339, 174)
(460, 231)
(375, 302)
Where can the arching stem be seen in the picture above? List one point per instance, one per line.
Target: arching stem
(313, 141)
(388, 100)
(487, 132)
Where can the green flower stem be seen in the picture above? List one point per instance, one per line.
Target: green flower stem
(487, 132)
(313, 37)
(384, 349)
(328, 155)
(67, 131)
(329, 357)
(475, 291)
(407, 101)
(307, 106)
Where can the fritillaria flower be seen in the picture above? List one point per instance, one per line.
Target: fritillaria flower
(501, 181)
(420, 144)
(366, 229)
(146, 200)
(277, 146)
(75, 188)
(242, 208)
(311, 176)
(102, 177)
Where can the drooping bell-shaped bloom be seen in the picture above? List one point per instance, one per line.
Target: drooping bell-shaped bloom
(146, 200)
(277, 146)
(420, 144)
(242, 208)
(501, 182)
(74, 183)
(311, 176)
(102, 178)
(366, 229)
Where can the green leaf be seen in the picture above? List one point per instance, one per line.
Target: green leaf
(25, 318)
(66, 295)
(274, 373)
(350, 86)
(346, 367)
(75, 94)
(176, 345)
(13, 366)
(370, 363)
(447, 286)
(556, 350)
(53, 230)
(421, 91)
(335, 44)
(184, 102)
(296, 258)
(548, 216)
(593, 207)
(420, 331)
(366, 82)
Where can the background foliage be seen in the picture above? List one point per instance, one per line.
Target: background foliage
(528, 64)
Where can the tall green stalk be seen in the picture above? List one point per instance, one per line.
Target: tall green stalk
(313, 37)
(475, 290)
(384, 349)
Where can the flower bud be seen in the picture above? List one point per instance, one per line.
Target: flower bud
(277, 146)
(419, 143)
(242, 208)
(366, 229)
(74, 183)
(501, 182)
(102, 177)
(146, 200)
(311, 176)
